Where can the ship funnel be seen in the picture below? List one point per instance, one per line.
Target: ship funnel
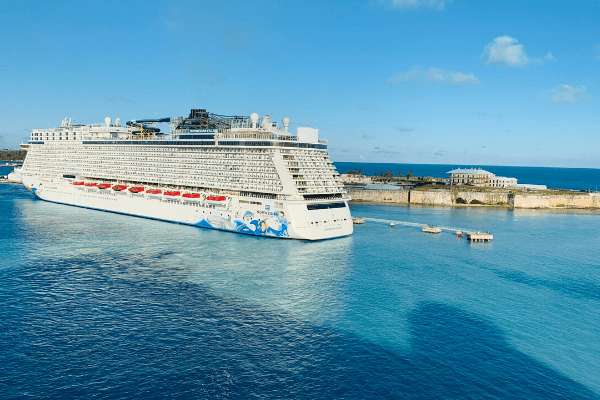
(254, 118)
(286, 123)
(266, 123)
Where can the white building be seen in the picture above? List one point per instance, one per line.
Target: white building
(478, 177)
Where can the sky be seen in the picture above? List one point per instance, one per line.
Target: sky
(407, 81)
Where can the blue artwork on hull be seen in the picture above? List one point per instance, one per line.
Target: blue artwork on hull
(275, 224)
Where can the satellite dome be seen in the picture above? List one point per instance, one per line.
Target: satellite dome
(286, 123)
(117, 121)
(107, 121)
(254, 118)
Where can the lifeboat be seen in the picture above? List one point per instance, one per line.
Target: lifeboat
(78, 183)
(191, 195)
(153, 191)
(176, 193)
(91, 184)
(104, 186)
(136, 189)
(119, 187)
(216, 198)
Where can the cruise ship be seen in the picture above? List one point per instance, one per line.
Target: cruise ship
(240, 174)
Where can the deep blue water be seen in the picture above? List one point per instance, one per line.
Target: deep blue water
(555, 178)
(99, 305)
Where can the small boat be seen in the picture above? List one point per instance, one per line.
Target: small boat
(104, 186)
(191, 195)
(136, 189)
(91, 184)
(216, 198)
(153, 191)
(358, 221)
(431, 229)
(119, 187)
(176, 193)
(78, 183)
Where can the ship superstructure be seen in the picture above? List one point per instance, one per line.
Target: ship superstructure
(242, 174)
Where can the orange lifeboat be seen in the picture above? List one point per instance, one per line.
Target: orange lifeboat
(119, 187)
(136, 189)
(153, 191)
(104, 186)
(191, 195)
(175, 193)
(216, 198)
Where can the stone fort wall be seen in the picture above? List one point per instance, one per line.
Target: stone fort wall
(449, 197)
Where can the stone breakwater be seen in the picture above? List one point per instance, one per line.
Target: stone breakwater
(486, 198)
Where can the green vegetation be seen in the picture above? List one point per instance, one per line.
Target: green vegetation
(12, 155)
(559, 193)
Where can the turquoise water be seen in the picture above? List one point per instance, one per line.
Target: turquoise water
(104, 305)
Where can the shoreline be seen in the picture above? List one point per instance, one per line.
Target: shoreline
(487, 206)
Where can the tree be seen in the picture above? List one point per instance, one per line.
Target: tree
(399, 174)
(374, 173)
(409, 175)
(12, 155)
(360, 171)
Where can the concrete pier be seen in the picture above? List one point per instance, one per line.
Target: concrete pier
(479, 237)
(471, 234)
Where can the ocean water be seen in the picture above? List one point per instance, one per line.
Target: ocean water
(100, 305)
(555, 178)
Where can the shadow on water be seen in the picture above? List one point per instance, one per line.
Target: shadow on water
(570, 287)
(64, 335)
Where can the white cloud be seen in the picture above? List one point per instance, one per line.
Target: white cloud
(550, 57)
(569, 94)
(437, 75)
(458, 78)
(404, 77)
(438, 4)
(505, 50)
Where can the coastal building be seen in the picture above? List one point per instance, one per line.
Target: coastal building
(356, 179)
(528, 186)
(478, 177)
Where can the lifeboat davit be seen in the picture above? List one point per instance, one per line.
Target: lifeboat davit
(136, 189)
(191, 195)
(216, 198)
(119, 187)
(78, 183)
(104, 186)
(176, 193)
(153, 191)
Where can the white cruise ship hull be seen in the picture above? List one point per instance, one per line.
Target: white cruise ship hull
(267, 218)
